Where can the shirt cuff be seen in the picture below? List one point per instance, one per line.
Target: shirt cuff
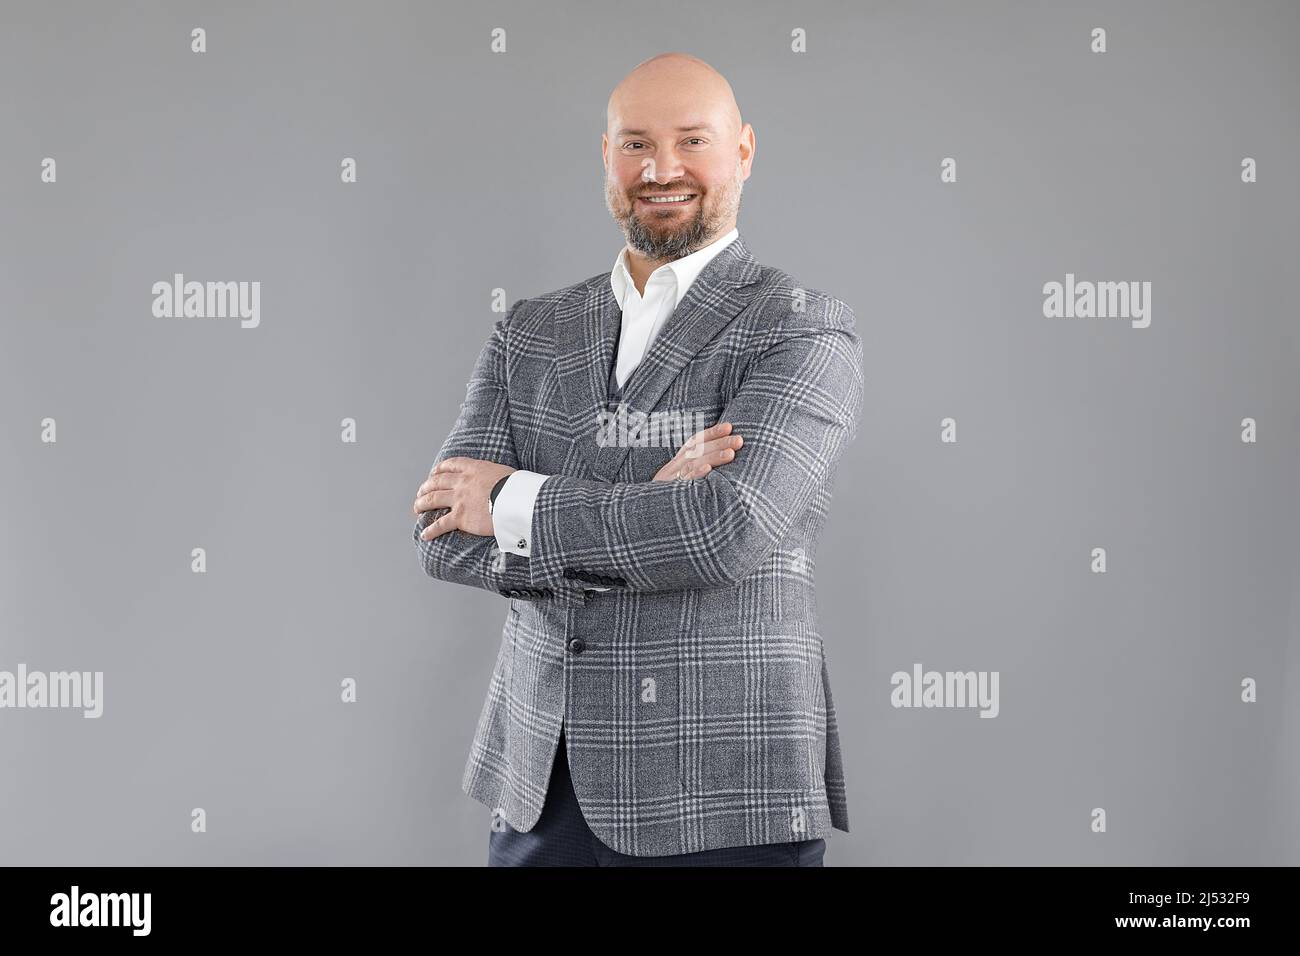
(512, 515)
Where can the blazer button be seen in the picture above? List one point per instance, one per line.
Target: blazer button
(576, 645)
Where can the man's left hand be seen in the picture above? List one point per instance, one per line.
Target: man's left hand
(463, 485)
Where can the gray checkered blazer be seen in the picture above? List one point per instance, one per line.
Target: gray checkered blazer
(694, 693)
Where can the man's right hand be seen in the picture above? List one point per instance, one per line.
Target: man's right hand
(703, 450)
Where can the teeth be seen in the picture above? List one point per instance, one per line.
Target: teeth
(667, 198)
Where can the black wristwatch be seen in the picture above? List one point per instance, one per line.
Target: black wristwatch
(496, 490)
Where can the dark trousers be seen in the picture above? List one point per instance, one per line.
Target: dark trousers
(562, 838)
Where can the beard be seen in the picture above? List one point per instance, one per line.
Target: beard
(663, 239)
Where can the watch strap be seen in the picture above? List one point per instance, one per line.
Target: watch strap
(496, 490)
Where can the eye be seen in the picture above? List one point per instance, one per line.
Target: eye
(696, 139)
(633, 143)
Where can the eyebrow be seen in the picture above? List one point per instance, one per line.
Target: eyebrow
(681, 129)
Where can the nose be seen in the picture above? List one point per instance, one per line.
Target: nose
(662, 168)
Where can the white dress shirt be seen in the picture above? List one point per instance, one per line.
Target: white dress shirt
(643, 317)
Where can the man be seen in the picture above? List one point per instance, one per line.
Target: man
(661, 693)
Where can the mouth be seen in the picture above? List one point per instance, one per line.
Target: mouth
(666, 200)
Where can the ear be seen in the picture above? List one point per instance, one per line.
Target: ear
(746, 149)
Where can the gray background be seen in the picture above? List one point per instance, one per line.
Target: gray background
(480, 171)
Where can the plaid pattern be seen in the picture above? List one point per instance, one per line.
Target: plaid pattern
(694, 694)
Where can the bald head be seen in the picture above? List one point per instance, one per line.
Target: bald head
(673, 80)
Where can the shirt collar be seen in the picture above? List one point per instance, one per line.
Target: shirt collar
(685, 270)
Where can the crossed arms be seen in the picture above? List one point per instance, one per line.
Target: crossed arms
(796, 409)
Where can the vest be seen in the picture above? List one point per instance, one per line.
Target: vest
(614, 392)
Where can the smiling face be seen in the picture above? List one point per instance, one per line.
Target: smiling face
(676, 157)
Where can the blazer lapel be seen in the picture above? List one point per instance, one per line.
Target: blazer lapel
(588, 322)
